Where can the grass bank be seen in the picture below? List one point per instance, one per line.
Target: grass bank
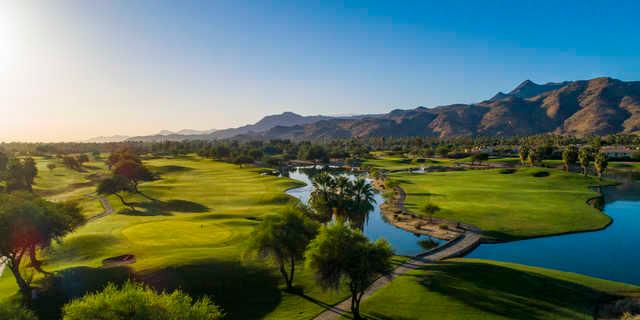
(482, 289)
(507, 205)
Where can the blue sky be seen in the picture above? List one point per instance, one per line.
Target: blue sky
(83, 68)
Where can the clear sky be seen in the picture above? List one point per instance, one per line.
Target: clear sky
(70, 70)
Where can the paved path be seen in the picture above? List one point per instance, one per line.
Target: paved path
(108, 209)
(455, 248)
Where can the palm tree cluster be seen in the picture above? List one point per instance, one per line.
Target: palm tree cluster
(343, 197)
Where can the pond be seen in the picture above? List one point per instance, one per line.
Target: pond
(375, 226)
(610, 254)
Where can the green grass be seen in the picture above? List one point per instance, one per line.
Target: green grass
(192, 240)
(624, 165)
(403, 163)
(482, 289)
(508, 206)
(64, 184)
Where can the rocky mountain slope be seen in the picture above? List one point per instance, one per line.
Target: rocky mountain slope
(587, 107)
(266, 123)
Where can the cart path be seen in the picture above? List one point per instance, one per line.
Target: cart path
(455, 248)
(108, 209)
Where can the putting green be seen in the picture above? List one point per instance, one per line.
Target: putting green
(177, 233)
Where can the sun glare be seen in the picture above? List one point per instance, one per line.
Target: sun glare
(9, 34)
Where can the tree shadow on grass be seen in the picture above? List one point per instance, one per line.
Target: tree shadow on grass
(164, 208)
(72, 283)
(244, 291)
(511, 293)
(170, 169)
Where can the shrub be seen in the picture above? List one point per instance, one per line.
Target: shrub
(136, 301)
(15, 312)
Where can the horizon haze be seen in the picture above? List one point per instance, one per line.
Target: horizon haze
(73, 70)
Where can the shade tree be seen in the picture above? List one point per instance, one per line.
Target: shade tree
(283, 238)
(20, 174)
(29, 223)
(118, 186)
(135, 172)
(340, 254)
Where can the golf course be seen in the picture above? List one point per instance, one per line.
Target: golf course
(193, 237)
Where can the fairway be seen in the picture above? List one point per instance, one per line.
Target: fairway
(192, 238)
(483, 290)
(177, 234)
(398, 163)
(64, 184)
(526, 203)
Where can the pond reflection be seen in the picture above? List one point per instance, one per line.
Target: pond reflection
(367, 216)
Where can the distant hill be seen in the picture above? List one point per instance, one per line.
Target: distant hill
(185, 132)
(587, 107)
(101, 139)
(265, 124)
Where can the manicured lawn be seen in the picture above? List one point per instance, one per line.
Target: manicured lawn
(403, 163)
(482, 289)
(624, 165)
(508, 206)
(193, 239)
(64, 184)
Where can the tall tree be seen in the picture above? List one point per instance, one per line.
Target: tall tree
(135, 172)
(28, 223)
(4, 161)
(340, 253)
(585, 158)
(21, 174)
(29, 172)
(523, 153)
(116, 185)
(284, 238)
(601, 164)
(569, 156)
(533, 157)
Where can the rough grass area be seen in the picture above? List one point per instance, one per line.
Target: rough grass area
(481, 289)
(191, 239)
(526, 203)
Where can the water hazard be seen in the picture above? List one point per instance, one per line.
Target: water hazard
(375, 225)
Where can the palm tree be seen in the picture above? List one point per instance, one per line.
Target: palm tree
(523, 153)
(569, 157)
(601, 164)
(584, 157)
(361, 190)
(324, 184)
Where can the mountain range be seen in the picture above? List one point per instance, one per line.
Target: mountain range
(585, 107)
